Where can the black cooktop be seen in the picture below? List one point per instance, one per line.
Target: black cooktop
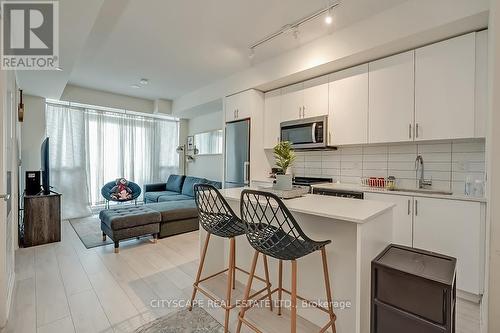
(311, 180)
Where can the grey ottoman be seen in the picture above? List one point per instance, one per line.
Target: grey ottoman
(129, 222)
(177, 217)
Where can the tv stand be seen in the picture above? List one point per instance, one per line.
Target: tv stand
(41, 219)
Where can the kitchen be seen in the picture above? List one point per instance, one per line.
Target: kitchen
(407, 130)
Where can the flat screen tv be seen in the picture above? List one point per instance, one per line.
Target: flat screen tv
(45, 166)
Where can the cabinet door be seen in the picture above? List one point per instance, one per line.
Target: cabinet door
(402, 228)
(444, 89)
(348, 110)
(231, 106)
(453, 228)
(292, 100)
(272, 116)
(481, 108)
(316, 97)
(245, 104)
(391, 98)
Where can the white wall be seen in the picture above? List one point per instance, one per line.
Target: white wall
(206, 166)
(32, 134)
(409, 25)
(102, 98)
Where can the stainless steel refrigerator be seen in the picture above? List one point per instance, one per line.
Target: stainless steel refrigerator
(237, 154)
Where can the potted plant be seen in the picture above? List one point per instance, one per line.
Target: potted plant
(284, 155)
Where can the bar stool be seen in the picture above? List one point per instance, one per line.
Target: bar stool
(273, 231)
(217, 218)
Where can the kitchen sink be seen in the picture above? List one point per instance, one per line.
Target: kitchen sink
(426, 191)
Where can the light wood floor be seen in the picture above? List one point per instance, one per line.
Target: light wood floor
(64, 287)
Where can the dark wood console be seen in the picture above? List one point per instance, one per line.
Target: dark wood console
(41, 219)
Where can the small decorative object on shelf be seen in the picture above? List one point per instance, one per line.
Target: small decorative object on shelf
(284, 155)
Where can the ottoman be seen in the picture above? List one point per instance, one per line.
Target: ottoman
(177, 217)
(129, 222)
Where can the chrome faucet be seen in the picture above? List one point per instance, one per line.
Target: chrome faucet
(419, 164)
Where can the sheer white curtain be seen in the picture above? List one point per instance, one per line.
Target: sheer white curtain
(66, 129)
(141, 149)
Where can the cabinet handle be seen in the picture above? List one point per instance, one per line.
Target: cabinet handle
(237, 113)
(416, 207)
(300, 112)
(409, 131)
(303, 111)
(409, 210)
(416, 130)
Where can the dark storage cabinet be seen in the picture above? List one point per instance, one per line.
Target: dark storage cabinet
(42, 219)
(413, 291)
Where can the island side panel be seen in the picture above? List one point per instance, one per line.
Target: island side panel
(373, 237)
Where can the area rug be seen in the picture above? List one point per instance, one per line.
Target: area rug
(89, 231)
(183, 321)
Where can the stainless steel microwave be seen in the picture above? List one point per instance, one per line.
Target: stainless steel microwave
(309, 133)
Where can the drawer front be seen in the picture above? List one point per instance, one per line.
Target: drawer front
(412, 294)
(386, 319)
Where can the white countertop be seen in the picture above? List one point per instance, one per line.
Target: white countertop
(351, 210)
(359, 188)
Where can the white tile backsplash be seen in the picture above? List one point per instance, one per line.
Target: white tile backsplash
(448, 164)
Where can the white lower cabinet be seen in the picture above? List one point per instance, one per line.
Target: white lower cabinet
(402, 229)
(450, 227)
(454, 228)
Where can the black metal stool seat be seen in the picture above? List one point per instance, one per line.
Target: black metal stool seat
(217, 218)
(274, 242)
(272, 230)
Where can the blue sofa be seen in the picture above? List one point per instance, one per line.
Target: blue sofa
(177, 188)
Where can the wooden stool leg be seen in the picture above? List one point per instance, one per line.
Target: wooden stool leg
(328, 289)
(247, 291)
(103, 236)
(200, 269)
(230, 274)
(234, 266)
(268, 283)
(280, 285)
(293, 314)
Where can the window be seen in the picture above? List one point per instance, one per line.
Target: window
(116, 144)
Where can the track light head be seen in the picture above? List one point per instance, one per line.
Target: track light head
(251, 53)
(329, 17)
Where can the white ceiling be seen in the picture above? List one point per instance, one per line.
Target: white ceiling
(181, 46)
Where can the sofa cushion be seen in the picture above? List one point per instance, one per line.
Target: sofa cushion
(153, 196)
(188, 187)
(178, 197)
(174, 183)
(174, 211)
(129, 217)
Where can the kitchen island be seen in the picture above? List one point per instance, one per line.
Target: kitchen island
(359, 230)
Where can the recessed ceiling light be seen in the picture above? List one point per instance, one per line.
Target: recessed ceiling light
(144, 82)
(135, 86)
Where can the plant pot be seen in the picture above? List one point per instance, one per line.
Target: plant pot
(283, 182)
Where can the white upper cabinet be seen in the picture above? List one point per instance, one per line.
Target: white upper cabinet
(292, 101)
(272, 118)
(239, 106)
(315, 97)
(453, 228)
(444, 89)
(348, 106)
(391, 98)
(481, 115)
(304, 100)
